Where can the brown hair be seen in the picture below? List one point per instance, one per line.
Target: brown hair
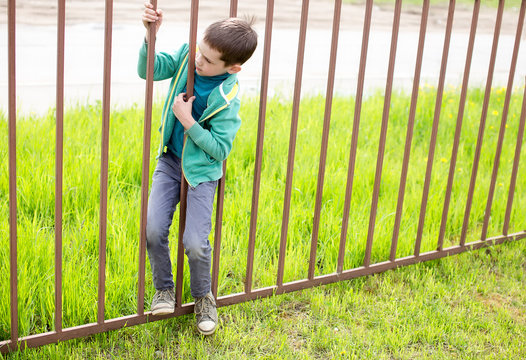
(234, 38)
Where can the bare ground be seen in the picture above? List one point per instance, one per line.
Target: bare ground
(286, 14)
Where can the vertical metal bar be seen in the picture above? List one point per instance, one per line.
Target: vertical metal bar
(180, 248)
(11, 41)
(220, 204)
(145, 175)
(325, 136)
(410, 126)
(383, 132)
(516, 159)
(457, 138)
(59, 156)
(104, 160)
(217, 233)
(482, 124)
(192, 48)
(259, 146)
(292, 141)
(458, 128)
(355, 131)
(184, 184)
(233, 8)
(500, 141)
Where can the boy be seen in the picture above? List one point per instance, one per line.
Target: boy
(210, 121)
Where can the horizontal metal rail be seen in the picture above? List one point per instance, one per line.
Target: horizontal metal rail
(131, 320)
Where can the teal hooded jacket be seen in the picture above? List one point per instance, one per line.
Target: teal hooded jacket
(210, 139)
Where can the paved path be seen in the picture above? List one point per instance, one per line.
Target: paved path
(36, 57)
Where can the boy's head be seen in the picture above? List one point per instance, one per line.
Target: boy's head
(226, 45)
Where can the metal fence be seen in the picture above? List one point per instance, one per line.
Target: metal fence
(59, 333)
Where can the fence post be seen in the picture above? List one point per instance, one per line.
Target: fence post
(259, 145)
(292, 142)
(184, 184)
(383, 133)
(145, 176)
(325, 137)
(355, 131)
(518, 146)
(59, 156)
(482, 124)
(410, 126)
(505, 108)
(456, 141)
(11, 18)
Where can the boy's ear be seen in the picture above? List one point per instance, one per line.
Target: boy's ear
(234, 69)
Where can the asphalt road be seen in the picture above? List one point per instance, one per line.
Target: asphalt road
(36, 62)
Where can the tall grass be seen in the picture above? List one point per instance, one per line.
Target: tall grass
(82, 134)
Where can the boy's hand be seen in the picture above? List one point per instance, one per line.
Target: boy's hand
(183, 110)
(150, 15)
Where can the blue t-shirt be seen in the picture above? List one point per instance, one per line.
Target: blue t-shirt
(203, 86)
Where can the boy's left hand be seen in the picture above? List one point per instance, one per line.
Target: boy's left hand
(183, 110)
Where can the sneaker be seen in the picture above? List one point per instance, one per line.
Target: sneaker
(163, 302)
(206, 314)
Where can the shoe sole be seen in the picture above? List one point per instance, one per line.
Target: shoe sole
(162, 311)
(206, 332)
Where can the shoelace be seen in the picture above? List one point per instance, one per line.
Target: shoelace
(163, 294)
(204, 306)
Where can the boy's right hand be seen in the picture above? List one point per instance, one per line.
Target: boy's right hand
(150, 15)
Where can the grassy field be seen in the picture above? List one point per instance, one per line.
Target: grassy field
(464, 306)
(470, 306)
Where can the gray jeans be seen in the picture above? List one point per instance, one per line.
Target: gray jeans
(164, 197)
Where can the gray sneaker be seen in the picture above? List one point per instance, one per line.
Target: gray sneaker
(206, 314)
(163, 302)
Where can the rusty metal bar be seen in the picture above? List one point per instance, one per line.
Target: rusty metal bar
(11, 68)
(355, 131)
(432, 143)
(59, 161)
(192, 48)
(383, 132)
(482, 124)
(104, 160)
(505, 109)
(117, 323)
(458, 128)
(516, 159)
(259, 145)
(180, 247)
(145, 174)
(410, 127)
(325, 136)
(184, 185)
(217, 233)
(292, 141)
(474, 21)
(233, 8)
(220, 204)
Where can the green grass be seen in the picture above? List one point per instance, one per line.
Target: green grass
(301, 316)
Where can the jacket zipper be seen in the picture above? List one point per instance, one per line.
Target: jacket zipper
(163, 148)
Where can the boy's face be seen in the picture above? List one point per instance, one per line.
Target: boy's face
(208, 62)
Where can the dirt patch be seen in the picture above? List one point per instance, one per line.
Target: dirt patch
(495, 302)
(286, 14)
